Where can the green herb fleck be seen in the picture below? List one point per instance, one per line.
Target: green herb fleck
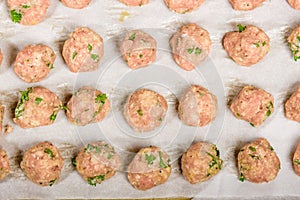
(264, 43)
(242, 177)
(271, 148)
(90, 48)
(25, 6)
(256, 44)
(140, 112)
(251, 124)
(268, 113)
(253, 156)
(90, 148)
(297, 162)
(149, 158)
(190, 50)
(161, 162)
(38, 100)
(49, 65)
(74, 55)
(101, 98)
(49, 152)
(238, 114)
(252, 148)
(74, 162)
(197, 51)
(208, 174)
(110, 155)
(215, 160)
(141, 55)
(298, 38)
(24, 97)
(241, 27)
(16, 16)
(132, 36)
(93, 181)
(53, 116)
(63, 107)
(52, 182)
(95, 57)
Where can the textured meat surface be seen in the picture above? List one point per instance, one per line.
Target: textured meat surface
(182, 7)
(190, 46)
(201, 162)
(296, 160)
(97, 162)
(37, 106)
(34, 62)
(294, 43)
(246, 4)
(138, 49)
(150, 167)
(197, 107)
(247, 47)
(28, 12)
(42, 164)
(295, 4)
(77, 4)
(257, 162)
(83, 51)
(87, 105)
(292, 106)
(145, 110)
(253, 105)
(4, 164)
(1, 57)
(135, 2)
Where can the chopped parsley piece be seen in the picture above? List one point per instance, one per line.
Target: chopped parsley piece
(95, 57)
(238, 114)
(141, 55)
(63, 107)
(252, 124)
(74, 162)
(53, 116)
(256, 44)
(25, 6)
(215, 161)
(24, 97)
(49, 65)
(242, 177)
(297, 162)
(264, 43)
(132, 36)
(271, 148)
(93, 181)
(161, 162)
(241, 27)
(298, 38)
(140, 112)
(252, 148)
(90, 48)
(253, 156)
(294, 49)
(149, 158)
(101, 98)
(208, 174)
(16, 16)
(270, 105)
(90, 148)
(38, 100)
(52, 182)
(110, 155)
(74, 55)
(268, 113)
(49, 152)
(190, 50)
(197, 51)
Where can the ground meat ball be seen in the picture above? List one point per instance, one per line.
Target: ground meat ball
(42, 164)
(292, 106)
(197, 107)
(150, 167)
(296, 160)
(201, 162)
(87, 105)
(4, 164)
(138, 49)
(253, 105)
(134, 2)
(145, 110)
(257, 162)
(295, 4)
(37, 106)
(83, 51)
(190, 46)
(34, 62)
(247, 46)
(246, 4)
(77, 4)
(97, 162)
(183, 7)
(294, 43)
(28, 12)
(1, 57)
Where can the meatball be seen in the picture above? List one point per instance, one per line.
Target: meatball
(190, 46)
(201, 162)
(197, 107)
(37, 106)
(150, 167)
(28, 12)
(1, 57)
(247, 46)
(294, 43)
(253, 105)
(42, 164)
(295, 4)
(292, 106)
(4, 164)
(296, 160)
(97, 162)
(34, 62)
(183, 7)
(145, 110)
(134, 2)
(246, 4)
(77, 4)
(138, 49)
(83, 51)
(86, 106)
(257, 162)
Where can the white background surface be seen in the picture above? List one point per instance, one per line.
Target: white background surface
(277, 73)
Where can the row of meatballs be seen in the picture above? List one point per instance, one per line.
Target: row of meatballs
(98, 161)
(84, 50)
(31, 12)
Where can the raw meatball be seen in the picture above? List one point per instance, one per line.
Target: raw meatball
(77, 4)
(294, 43)
(183, 6)
(87, 105)
(296, 160)
(292, 106)
(28, 12)
(4, 164)
(83, 51)
(257, 162)
(253, 105)
(150, 167)
(197, 107)
(138, 49)
(135, 2)
(295, 4)
(34, 62)
(246, 4)
(190, 46)
(201, 162)
(42, 164)
(247, 46)
(37, 106)
(1, 57)
(97, 162)
(145, 110)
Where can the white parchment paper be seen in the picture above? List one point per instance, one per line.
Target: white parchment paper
(277, 73)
